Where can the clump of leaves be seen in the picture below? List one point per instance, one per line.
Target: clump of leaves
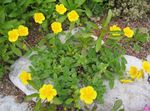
(71, 66)
(9, 52)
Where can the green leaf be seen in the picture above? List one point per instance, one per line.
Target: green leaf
(88, 12)
(2, 13)
(62, 19)
(104, 30)
(30, 97)
(79, 2)
(99, 42)
(57, 101)
(71, 4)
(64, 2)
(49, 1)
(106, 22)
(117, 105)
(33, 85)
(69, 101)
(16, 50)
(38, 105)
(7, 1)
(97, 0)
(111, 84)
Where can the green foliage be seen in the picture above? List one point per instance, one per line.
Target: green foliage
(16, 12)
(117, 106)
(75, 64)
(130, 9)
(9, 52)
(104, 30)
(95, 7)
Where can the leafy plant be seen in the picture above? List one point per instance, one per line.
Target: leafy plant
(131, 9)
(75, 64)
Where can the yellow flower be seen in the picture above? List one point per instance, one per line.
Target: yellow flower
(23, 31)
(146, 66)
(115, 29)
(88, 94)
(56, 27)
(128, 32)
(133, 72)
(24, 77)
(47, 92)
(13, 35)
(73, 16)
(39, 18)
(140, 74)
(126, 81)
(61, 9)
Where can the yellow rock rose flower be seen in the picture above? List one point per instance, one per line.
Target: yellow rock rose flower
(47, 92)
(61, 9)
(115, 29)
(73, 16)
(23, 31)
(39, 18)
(133, 72)
(146, 66)
(128, 32)
(56, 27)
(24, 77)
(13, 35)
(126, 81)
(88, 94)
(140, 74)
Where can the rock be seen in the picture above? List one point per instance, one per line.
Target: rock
(135, 96)
(8, 103)
(148, 58)
(21, 64)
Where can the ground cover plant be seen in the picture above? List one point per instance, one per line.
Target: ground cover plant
(81, 65)
(67, 73)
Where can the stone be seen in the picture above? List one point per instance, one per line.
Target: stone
(22, 64)
(8, 103)
(135, 96)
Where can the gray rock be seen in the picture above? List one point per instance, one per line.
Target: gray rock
(21, 64)
(8, 103)
(134, 95)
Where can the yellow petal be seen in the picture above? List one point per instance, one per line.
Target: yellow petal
(133, 72)
(39, 18)
(61, 9)
(126, 81)
(146, 66)
(23, 31)
(13, 35)
(73, 16)
(128, 32)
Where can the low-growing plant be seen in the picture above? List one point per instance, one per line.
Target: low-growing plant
(130, 9)
(73, 67)
(63, 73)
(10, 51)
(69, 67)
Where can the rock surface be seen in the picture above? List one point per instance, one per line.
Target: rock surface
(8, 103)
(21, 64)
(135, 96)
